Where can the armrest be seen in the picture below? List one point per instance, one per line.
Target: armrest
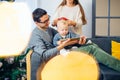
(28, 63)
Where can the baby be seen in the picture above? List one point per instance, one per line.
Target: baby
(64, 33)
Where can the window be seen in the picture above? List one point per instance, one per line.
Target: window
(106, 18)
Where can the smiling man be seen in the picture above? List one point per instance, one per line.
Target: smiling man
(41, 41)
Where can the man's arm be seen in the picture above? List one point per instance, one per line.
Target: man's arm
(41, 47)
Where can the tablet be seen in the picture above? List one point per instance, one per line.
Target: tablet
(74, 38)
(71, 39)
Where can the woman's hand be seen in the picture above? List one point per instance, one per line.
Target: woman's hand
(54, 23)
(71, 23)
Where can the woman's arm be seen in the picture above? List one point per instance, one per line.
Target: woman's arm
(56, 16)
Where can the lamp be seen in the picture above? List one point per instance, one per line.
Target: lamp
(15, 28)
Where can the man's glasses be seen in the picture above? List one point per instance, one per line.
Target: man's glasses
(46, 20)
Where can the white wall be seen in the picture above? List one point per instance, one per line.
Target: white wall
(32, 4)
(51, 5)
(87, 5)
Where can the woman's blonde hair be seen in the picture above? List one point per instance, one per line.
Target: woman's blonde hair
(81, 9)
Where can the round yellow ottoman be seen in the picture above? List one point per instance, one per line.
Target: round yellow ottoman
(74, 66)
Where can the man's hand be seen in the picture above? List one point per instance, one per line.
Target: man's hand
(82, 40)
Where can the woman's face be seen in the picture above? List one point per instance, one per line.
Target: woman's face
(70, 1)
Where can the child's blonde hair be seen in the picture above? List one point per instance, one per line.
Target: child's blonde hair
(62, 22)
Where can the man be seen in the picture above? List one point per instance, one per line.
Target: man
(41, 41)
(43, 48)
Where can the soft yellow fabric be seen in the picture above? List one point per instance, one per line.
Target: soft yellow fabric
(116, 49)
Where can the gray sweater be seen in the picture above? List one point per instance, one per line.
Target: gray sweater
(41, 42)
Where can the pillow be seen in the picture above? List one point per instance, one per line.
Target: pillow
(116, 49)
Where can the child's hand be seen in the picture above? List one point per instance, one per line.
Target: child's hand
(59, 42)
(66, 42)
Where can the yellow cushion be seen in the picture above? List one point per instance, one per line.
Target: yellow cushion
(116, 49)
(74, 66)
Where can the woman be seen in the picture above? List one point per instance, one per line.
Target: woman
(72, 10)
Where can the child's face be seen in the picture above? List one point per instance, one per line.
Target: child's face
(63, 29)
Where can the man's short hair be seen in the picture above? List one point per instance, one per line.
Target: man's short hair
(38, 13)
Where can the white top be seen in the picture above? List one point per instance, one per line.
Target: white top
(72, 13)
